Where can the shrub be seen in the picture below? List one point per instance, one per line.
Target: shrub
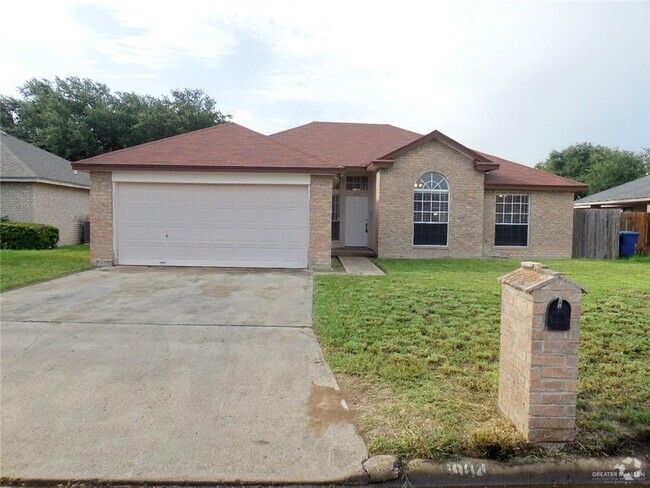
(24, 235)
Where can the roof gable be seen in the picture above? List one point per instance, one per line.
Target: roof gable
(436, 135)
(22, 161)
(225, 146)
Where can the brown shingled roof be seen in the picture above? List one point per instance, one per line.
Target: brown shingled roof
(345, 143)
(221, 147)
(517, 176)
(326, 147)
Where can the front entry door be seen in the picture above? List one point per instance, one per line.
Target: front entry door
(356, 221)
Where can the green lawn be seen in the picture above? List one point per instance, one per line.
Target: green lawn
(417, 352)
(20, 268)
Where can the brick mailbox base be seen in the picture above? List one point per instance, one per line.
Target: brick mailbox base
(538, 371)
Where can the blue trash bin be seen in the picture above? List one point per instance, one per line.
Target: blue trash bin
(627, 243)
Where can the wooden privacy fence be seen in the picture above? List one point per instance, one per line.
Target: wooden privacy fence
(595, 231)
(638, 222)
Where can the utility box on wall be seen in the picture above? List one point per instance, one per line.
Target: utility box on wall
(538, 369)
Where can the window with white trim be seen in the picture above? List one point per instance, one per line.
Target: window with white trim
(431, 210)
(512, 219)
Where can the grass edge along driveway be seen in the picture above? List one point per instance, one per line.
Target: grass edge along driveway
(26, 267)
(418, 352)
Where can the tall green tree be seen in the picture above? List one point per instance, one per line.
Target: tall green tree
(79, 118)
(599, 167)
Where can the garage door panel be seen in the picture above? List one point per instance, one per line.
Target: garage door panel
(212, 225)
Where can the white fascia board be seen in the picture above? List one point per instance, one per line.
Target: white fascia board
(211, 178)
(42, 182)
(579, 204)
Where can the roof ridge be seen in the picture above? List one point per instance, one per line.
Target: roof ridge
(287, 145)
(324, 160)
(292, 128)
(325, 122)
(405, 130)
(342, 122)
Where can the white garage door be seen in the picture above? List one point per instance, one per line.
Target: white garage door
(231, 225)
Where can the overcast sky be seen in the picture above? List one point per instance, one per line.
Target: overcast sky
(515, 79)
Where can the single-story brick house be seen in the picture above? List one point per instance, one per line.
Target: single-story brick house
(37, 186)
(229, 196)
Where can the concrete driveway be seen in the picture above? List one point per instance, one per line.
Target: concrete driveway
(171, 374)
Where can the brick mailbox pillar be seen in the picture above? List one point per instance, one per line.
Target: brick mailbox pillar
(538, 370)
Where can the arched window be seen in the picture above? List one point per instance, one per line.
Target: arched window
(431, 210)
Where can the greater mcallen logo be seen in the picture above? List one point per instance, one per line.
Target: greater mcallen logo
(629, 469)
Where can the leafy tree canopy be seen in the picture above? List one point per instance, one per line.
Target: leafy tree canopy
(79, 118)
(599, 167)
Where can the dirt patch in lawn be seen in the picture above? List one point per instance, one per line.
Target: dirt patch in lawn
(365, 401)
(326, 407)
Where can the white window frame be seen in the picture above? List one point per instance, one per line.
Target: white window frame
(431, 187)
(529, 204)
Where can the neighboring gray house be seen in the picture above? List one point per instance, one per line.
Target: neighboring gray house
(37, 186)
(632, 196)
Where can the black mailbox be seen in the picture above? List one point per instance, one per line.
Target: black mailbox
(558, 315)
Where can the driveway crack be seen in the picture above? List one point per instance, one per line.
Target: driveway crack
(54, 324)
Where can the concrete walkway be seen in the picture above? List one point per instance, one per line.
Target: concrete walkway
(359, 265)
(171, 375)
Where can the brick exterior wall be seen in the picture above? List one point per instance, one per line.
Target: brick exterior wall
(101, 218)
(471, 221)
(472, 211)
(551, 226)
(538, 368)
(61, 206)
(320, 218)
(16, 201)
(395, 205)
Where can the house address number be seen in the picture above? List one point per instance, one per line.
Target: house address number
(468, 469)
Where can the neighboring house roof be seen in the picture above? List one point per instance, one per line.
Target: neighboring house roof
(512, 175)
(317, 147)
(347, 144)
(632, 191)
(21, 161)
(227, 147)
